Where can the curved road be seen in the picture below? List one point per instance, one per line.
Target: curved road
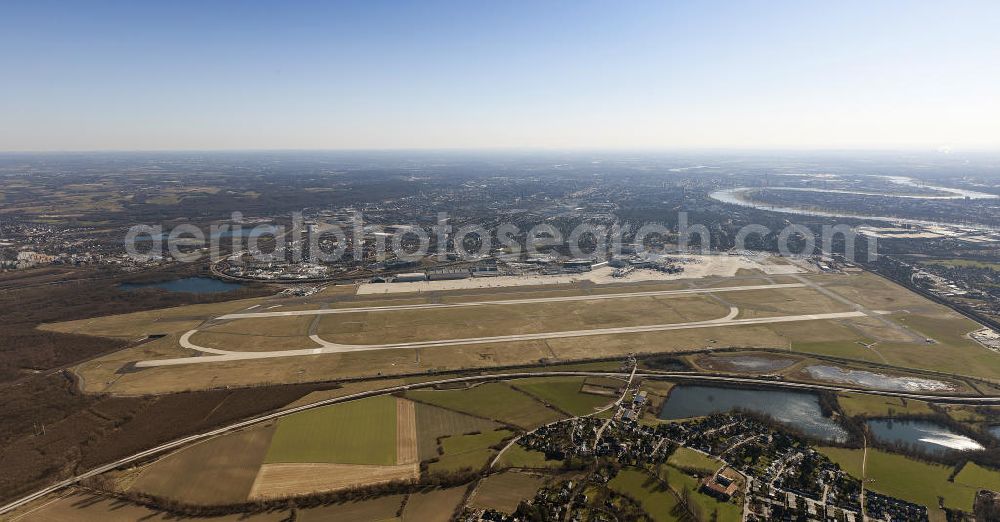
(681, 376)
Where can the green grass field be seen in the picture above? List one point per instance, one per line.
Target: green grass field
(468, 451)
(434, 422)
(975, 476)
(357, 432)
(658, 502)
(504, 491)
(563, 393)
(493, 400)
(433, 506)
(855, 404)
(915, 481)
(686, 458)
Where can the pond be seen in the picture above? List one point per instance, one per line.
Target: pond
(926, 436)
(796, 409)
(875, 380)
(746, 363)
(196, 285)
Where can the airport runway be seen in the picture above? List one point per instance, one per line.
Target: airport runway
(328, 347)
(536, 300)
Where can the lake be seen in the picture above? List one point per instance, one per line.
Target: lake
(195, 285)
(926, 436)
(796, 409)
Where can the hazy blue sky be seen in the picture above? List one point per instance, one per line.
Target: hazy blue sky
(478, 74)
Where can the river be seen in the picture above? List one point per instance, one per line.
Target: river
(735, 196)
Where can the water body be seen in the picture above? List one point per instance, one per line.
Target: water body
(748, 363)
(796, 409)
(874, 380)
(196, 285)
(995, 431)
(926, 436)
(737, 196)
(956, 193)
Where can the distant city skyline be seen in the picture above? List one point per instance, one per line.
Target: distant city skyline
(513, 75)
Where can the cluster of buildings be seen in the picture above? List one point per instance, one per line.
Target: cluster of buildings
(784, 477)
(554, 502)
(277, 271)
(787, 479)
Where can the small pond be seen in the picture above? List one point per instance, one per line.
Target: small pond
(746, 363)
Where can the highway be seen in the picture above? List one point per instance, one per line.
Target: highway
(674, 376)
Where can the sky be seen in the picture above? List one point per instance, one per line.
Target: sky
(470, 74)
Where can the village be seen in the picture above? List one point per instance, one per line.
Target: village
(736, 462)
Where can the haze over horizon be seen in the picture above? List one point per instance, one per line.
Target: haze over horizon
(452, 75)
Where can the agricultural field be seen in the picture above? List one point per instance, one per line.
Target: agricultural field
(434, 422)
(494, 400)
(433, 506)
(217, 471)
(333, 447)
(471, 451)
(564, 394)
(356, 432)
(504, 491)
(382, 508)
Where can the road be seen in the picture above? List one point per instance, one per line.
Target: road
(864, 469)
(676, 376)
(606, 408)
